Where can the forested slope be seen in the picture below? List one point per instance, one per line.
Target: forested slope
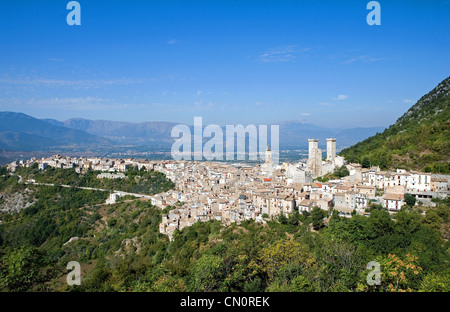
(120, 248)
(419, 140)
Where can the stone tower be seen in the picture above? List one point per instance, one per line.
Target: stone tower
(313, 145)
(331, 150)
(317, 165)
(314, 157)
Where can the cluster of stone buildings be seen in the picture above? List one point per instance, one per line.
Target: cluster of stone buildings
(80, 164)
(236, 192)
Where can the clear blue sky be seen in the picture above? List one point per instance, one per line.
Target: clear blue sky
(228, 61)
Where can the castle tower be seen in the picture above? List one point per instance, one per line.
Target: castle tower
(331, 150)
(317, 164)
(313, 145)
(314, 162)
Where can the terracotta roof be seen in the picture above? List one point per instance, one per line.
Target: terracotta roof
(390, 196)
(306, 202)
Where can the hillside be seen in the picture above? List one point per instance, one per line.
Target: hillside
(25, 133)
(419, 140)
(120, 249)
(14, 140)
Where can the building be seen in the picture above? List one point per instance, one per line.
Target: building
(105, 175)
(314, 163)
(268, 158)
(42, 166)
(267, 167)
(331, 151)
(393, 202)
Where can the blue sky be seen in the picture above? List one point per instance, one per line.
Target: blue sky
(230, 62)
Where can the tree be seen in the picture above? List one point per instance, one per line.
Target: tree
(341, 172)
(301, 284)
(335, 218)
(282, 219)
(410, 200)
(20, 269)
(341, 263)
(306, 213)
(379, 224)
(400, 275)
(365, 163)
(435, 283)
(407, 223)
(317, 216)
(169, 284)
(286, 253)
(206, 273)
(294, 218)
(383, 162)
(373, 206)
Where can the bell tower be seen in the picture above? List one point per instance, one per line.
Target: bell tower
(268, 159)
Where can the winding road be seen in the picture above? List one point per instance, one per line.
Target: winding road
(120, 193)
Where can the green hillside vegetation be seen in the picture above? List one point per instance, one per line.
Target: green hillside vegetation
(120, 248)
(136, 181)
(338, 173)
(419, 140)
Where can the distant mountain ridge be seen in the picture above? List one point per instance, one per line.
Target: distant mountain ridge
(122, 132)
(292, 133)
(297, 133)
(19, 131)
(418, 140)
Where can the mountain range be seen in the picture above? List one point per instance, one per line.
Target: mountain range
(21, 132)
(25, 133)
(292, 133)
(145, 133)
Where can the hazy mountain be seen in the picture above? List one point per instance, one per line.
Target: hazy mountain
(298, 133)
(13, 140)
(122, 132)
(347, 137)
(23, 132)
(292, 133)
(418, 140)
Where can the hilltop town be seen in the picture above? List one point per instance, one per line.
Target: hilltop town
(232, 193)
